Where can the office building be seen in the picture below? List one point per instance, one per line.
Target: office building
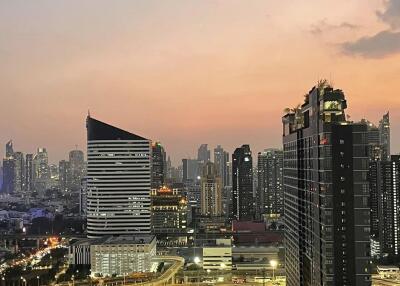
(389, 203)
(221, 160)
(158, 165)
(29, 174)
(270, 193)
(211, 191)
(19, 173)
(326, 194)
(384, 133)
(168, 211)
(118, 181)
(122, 255)
(203, 154)
(8, 175)
(191, 170)
(42, 170)
(243, 207)
(64, 175)
(76, 170)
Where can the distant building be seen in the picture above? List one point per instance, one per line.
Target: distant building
(326, 201)
(29, 174)
(76, 169)
(211, 191)
(64, 175)
(203, 154)
(118, 181)
(242, 184)
(168, 211)
(191, 170)
(158, 167)
(270, 192)
(384, 132)
(9, 175)
(19, 173)
(42, 170)
(221, 160)
(122, 255)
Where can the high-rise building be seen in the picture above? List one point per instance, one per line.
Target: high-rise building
(221, 159)
(19, 173)
(168, 211)
(384, 132)
(8, 175)
(9, 149)
(270, 193)
(42, 170)
(158, 166)
(203, 154)
(118, 181)
(77, 169)
(211, 191)
(64, 175)
(243, 207)
(29, 174)
(191, 170)
(9, 169)
(326, 195)
(389, 202)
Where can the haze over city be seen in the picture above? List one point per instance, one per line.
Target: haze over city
(189, 72)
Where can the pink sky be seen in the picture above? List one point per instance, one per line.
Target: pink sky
(189, 72)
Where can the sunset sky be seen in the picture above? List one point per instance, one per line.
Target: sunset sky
(189, 72)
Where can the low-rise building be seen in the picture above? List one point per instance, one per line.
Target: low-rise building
(122, 255)
(218, 255)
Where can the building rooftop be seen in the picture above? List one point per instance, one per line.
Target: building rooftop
(128, 239)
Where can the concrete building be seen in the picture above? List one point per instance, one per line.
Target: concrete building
(118, 181)
(327, 214)
(168, 211)
(218, 255)
(243, 204)
(122, 255)
(158, 165)
(211, 191)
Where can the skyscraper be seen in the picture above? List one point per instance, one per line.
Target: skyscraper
(203, 154)
(9, 170)
(77, 169)
(29, 174)
(243, 207)
(191, 170)
(211, 191)
(221, 159)
(158, 166)
(118, 181)
(19, 173)
(327, 234)
(42, 170)
(64, 175)
(389, 202)
(384, 132)
(270, 194)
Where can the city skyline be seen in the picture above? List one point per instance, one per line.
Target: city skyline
(168, 62)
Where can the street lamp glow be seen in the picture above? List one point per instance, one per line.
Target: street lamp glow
(197, 260)
(273, 263)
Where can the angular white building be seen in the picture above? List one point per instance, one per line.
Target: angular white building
(118, 181)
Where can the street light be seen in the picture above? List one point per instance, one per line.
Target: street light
(274, 264)
(197, 261)
(38, 280)
(73, 280)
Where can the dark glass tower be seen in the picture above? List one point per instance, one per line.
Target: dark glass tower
(270, 194)
(326, 194)
(158, 163)
(118, 181)
(243, 207)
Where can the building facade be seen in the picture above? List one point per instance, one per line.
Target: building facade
(118, 181)
(326, 194)
(122, 255)
(168, 211)
(243, 205)
(211, 191)
(158, 164)
(270, 193)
